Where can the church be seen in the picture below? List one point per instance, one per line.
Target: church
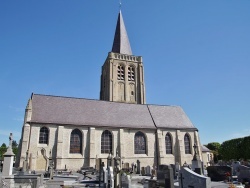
(77, 131)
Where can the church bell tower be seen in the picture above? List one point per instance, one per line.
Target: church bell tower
(122, 78)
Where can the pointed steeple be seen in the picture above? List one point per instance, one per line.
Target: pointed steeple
(121, 42)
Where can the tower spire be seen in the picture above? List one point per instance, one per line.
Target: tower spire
(121, 42)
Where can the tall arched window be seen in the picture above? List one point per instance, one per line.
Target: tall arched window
(44, 135)
(76, 141)
(168, 143)
(140, 143)
(187, 144)
(120, 72)
(131, 73)
(106, 142)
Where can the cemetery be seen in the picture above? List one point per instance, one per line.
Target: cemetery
(118, 141)
(117, 174)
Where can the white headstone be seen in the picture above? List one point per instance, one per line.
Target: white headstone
(111, 177)
(105, 175)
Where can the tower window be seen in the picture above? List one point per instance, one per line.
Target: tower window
(131, 73)
(120, 72)
(132, 92)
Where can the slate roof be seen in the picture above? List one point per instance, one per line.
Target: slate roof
(79, 111)
(204, 149)
(121, 42)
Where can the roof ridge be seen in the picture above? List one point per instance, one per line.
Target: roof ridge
(104, 101)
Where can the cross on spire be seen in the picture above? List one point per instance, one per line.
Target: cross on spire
(120, 4)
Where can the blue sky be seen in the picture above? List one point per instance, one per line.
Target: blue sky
(196, 54)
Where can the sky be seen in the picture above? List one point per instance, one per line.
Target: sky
(196, 54)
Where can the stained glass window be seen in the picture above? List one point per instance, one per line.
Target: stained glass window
(76, 141)
(140, 143)
(187, 144)
(168, 143)
(106, 142)
(44, 135)
(120, 72)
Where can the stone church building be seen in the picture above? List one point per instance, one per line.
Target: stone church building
(78, 130)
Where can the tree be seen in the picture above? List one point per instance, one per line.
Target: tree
(14, 144)
(3, 149)
(215, 148)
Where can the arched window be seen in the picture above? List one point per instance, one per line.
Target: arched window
(76, 141)
(187, 144)
(131, 73)
(120, 72)
(106, 142)
(140, 143)
(168, 143)
(44, 135)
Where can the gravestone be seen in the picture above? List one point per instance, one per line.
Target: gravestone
(98, 164)
(138, 167)
(143, 171)
(177, 169)
(190, 179)
(105, 176)
(243, 173)
(217, 173)
(152, 183)
(132, 165)
(235, 167)
(148, 171)
(111, 183)
(101, 172)
(125, 181)
(126, 166)
(165, 176)
(196, 162)
(8, 159)
(109, 160)
(153, 173)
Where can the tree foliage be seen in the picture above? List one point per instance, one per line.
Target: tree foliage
(214, 147)
(235, 149)
(4, 148)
